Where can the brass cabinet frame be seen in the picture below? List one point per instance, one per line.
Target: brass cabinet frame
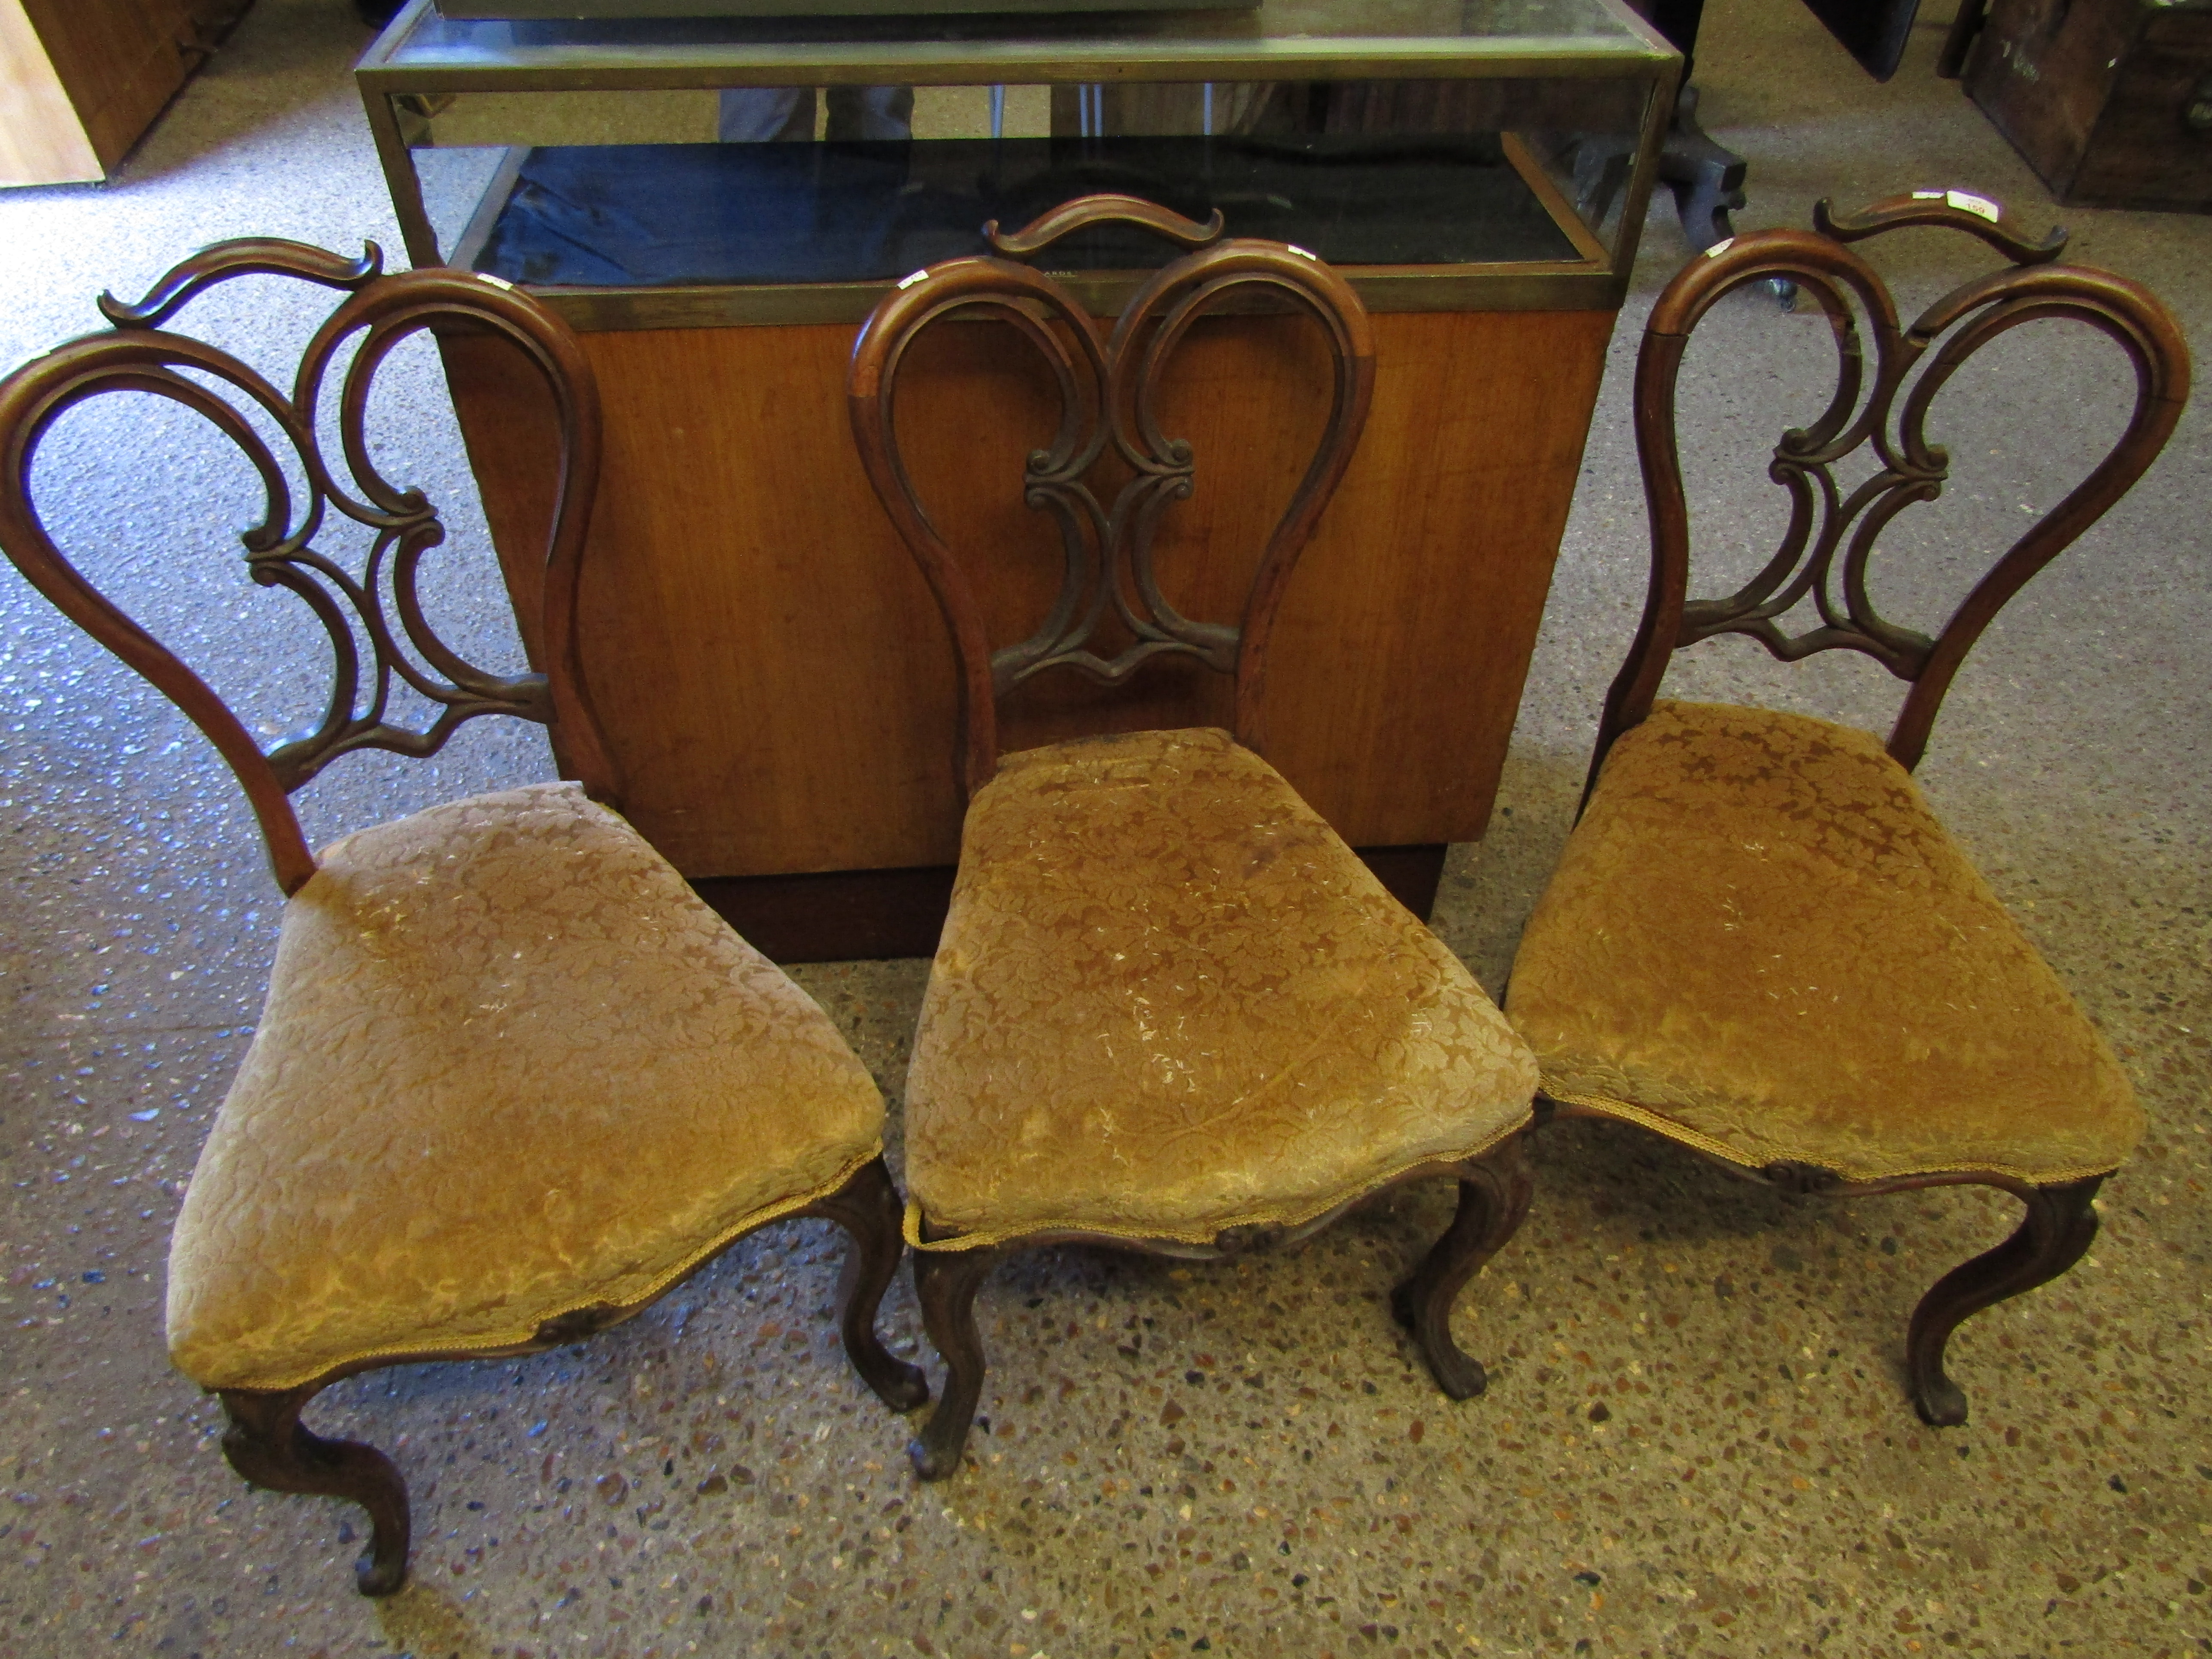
(1146, 47)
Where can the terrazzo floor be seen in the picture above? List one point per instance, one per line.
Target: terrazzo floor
(1695, 1441)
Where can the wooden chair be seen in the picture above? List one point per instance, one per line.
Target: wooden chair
(1759, 942)
(513, 1081)
(1171, 1010)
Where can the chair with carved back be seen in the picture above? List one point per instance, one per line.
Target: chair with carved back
(1170, 1009)
(1759, 942)
(512, 1081)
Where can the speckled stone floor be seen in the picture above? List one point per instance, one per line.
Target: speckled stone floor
(1695, 1441)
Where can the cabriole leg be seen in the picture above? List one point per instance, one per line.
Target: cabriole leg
(867, 1207)
(268, 1446)
(2060, 1223)
(947, 1282)
(1493, 1197)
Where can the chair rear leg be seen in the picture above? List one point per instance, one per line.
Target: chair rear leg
(2060, 1223)
(947, 1282)
(867, 1207)
(268, 1446)
(1493, 1197)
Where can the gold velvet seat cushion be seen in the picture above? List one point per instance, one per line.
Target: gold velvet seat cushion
(1760, 941)
(1169, 1000)
(510, 1065)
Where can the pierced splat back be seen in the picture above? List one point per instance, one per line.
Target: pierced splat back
(1825, 551)
(1108, 387)
(380, 606)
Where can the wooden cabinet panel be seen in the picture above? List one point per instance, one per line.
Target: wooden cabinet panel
(41, 141)
(85, 78)
(2109, 100)
(775, 678)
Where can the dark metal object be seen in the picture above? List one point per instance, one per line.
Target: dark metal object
(266, 1442)
(1706, 177)
(1966, 25)
(1874, 31)
(1825, 523)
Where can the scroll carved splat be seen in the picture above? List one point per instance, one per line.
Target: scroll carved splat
(379, 637)
(1108, 386)
(1889, 374)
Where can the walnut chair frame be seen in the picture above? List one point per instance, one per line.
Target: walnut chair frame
(1108, 384)
(1824, 555)
(265, 1441)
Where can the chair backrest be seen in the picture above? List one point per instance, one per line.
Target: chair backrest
(382, 606)
(1108, 387)
(1831, 533)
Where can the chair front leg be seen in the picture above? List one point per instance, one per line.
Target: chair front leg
(946, 1281)
(268, 1446)
(867, 1207)
(1493, 1198)
(2060, 1223)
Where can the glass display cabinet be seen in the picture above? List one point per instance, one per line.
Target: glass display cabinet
(716, 202)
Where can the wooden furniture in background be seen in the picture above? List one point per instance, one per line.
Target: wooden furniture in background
(1760, 941)
(82, 80)
(2109, 100)
(513, 1082)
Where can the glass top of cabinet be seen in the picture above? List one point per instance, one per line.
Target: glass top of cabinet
(1344, 39)
(1449, 154)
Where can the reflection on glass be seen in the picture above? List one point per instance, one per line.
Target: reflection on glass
(1413, 173)
(440, 41)
(455, 182)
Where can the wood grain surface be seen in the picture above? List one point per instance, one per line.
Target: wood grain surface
(82, 80)
(776, 684)
(41, 140)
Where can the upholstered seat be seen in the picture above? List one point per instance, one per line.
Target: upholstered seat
(1170, 1001)
(1761, 940)
(513, 1006)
